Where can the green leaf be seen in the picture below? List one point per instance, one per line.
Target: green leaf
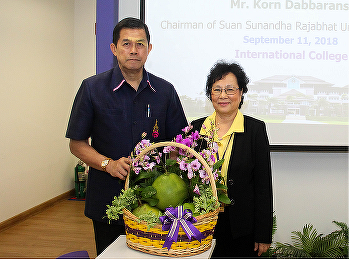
(148, 192)
(222, 197)
(134, 205)
(137, 190)
(170, 162)
(218, 164)
(144, 175)
(151, 201)
(141, 175)
(308, 243)
(221, 186)
(206, 202)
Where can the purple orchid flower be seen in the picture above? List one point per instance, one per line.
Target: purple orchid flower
(137, 170)
(183, 165)
(190, 173)
(195, 165)
(196, 190)
(187, 128)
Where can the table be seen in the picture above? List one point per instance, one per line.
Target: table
(119, 250)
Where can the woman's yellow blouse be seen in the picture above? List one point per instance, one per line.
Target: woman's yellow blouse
(224, 143)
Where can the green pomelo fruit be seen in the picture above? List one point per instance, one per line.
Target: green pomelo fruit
(171, 190)
(189, 206)
(144, 209)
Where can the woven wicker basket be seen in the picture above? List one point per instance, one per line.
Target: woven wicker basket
(151, 240)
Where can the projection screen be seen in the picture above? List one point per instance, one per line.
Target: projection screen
(296, 54)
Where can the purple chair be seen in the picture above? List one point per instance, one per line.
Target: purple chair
(75, 255)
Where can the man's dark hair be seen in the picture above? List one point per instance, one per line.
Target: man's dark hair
(220, 70)
(130, 23)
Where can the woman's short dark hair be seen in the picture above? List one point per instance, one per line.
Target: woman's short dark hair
(220, 70)
(130, 23)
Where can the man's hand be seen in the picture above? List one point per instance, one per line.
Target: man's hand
(174, 154)
(85, 152)
(261, 247)
(119, 168)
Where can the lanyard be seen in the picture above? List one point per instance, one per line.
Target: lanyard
(223, 156)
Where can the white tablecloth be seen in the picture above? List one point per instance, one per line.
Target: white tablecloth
(119, 250)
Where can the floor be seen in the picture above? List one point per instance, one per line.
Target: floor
(58, 230)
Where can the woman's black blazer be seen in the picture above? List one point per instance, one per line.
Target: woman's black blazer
(249, 181)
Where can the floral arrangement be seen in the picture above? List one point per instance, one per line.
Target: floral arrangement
(176, 161)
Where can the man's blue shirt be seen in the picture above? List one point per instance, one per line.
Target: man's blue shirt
(114, 115)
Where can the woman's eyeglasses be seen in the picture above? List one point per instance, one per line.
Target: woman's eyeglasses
(229, 90)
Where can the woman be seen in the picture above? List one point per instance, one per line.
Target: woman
(244, 229)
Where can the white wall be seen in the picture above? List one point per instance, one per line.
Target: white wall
(84, 41)
(37, 86)
(309, 188)
(129, 8)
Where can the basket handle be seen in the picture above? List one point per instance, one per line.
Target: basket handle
(182, 146)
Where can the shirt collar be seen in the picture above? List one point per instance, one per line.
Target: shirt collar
(236, 127)
(145, 82)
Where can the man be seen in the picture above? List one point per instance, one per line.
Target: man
(115, 109)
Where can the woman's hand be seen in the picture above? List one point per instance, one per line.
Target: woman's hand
(261, 247)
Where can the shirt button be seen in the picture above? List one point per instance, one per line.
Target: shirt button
(230, 182)
(134, 122)
(232, 202)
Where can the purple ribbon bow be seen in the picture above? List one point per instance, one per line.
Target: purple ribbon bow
(173, 219)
